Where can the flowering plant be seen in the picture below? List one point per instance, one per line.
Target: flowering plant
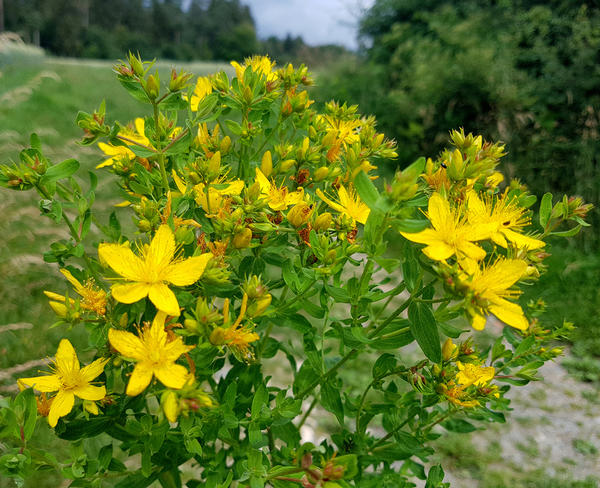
(267, 272)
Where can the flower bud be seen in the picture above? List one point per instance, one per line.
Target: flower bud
(449, 349)
(287, 164)
(214, 165)
(217, 336)
(299, 214)
(225, 144)
(242, 239)
(321, 173)
(266, 166)
(323, 222)
(170, 405)
(257, 307)
(136, 64)
(153, 86)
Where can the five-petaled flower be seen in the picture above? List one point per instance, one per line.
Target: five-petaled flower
(149, 275)
(451, 235)
(491, 288)
(70, 380)
(155, 354)
(349, 204)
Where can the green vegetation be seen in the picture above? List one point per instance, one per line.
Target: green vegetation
(522, 71)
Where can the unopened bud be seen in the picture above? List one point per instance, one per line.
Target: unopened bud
(266, 166)
(321, 173)
(153, 86)
(225, 144)
(323, 222)
(242, 239)
(287, 164)
(298, 215)
(214, 165)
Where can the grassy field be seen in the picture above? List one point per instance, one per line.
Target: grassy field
(44, 97)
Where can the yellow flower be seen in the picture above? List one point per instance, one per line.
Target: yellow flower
(278, 198)
(349, 204)
(344, 131)
(217, 191)
(69, 380)
(258, 64)
(450, 234)
(490, 287)
(93, 298)
(202, 89)
(507, 217)
(116, 153)
(149, 275)
(236, 338)
(457, 396)
(154, 353)
(472, 374)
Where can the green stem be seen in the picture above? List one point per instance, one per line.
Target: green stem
(310, 409)
(160, 153)
(75, 236)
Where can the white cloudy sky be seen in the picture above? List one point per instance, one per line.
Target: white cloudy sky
(317, 21)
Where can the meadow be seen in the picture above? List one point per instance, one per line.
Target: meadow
(44, 95)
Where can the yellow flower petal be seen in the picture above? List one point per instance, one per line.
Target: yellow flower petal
(187, 272)
(66, 357)
(172, 375)
(438, 211)
(139, 380)
(90, 392)
(522, 241)
(162, 248)
(93, 370)
(122, 259)
(170, 406)
(331, 203)
(54, 296)
(478, 322)
(62, 404)
(164, 299)
(130, 292)
(43, 384)
(439, 251)
(127, 344)
(510, 313)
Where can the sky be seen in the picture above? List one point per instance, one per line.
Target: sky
(317, 21)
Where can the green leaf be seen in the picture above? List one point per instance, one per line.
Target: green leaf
(375, 228)
(261, 397)
(435, 477)
(459, 425)
(410, 225)
(234, 127)
(332, 401)
(545, 209)
(134, 88)
(366, 189)
(424, 328)
(173, 101)
(567, 233)
(66, 168)
(417, 167)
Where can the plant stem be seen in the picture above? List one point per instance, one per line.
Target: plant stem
(160, 153)
(310, 409)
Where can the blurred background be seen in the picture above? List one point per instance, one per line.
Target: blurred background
(526, 72)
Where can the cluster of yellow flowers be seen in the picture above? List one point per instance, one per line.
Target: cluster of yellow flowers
(476, 232)
(305, 187)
